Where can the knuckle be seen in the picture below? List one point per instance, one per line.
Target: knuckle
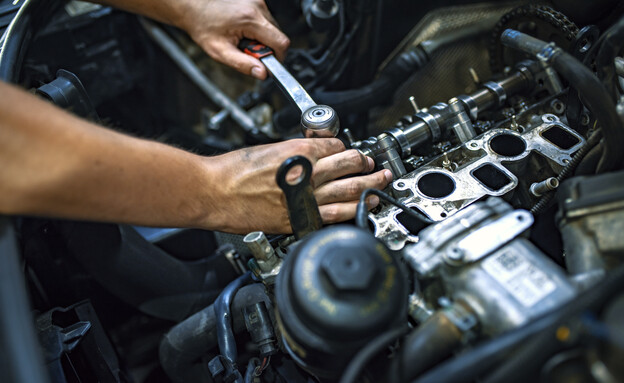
(354, 189)
(380, 180)
(247, 15)
(284, 42)
(354, 156)
(331, 214)
(305, 148)
(337, 143)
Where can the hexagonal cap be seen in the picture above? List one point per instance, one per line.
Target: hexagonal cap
(349, 271)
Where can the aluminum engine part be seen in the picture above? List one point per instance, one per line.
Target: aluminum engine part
(480, 260)
(488, 165)
(591, 220)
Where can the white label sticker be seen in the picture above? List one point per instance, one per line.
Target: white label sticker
(519, 277)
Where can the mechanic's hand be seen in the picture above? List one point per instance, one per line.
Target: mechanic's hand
(249, 198)
(218, 26)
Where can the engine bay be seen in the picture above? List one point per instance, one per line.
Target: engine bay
(494, 255)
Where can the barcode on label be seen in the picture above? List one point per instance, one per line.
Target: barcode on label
(522, 279)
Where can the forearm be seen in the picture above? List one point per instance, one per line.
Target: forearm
(167, 11)
(217, 26)
(54, 164)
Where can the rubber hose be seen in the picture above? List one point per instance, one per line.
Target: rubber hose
(593, 94)
(361, 359)
(22, 357)
(19, 34)
(225, 335)
(597, 100)
(141, 274)
(251, 369)
(368, 96)
(432, 342)
(612, 44)
(523, 364)
(589, 164)
(182, 348)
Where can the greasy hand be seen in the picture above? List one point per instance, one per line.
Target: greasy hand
(218, 26)
(250, 199)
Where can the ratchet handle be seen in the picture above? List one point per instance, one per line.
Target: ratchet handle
(254, 48)
(302, 206)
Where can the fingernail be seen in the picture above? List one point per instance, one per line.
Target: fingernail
(373, 201)
(371, 164)
(388, 175)
(256, 72)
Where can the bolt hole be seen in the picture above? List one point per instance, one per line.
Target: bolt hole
(443, 215)
(585, 45)
(401, 184)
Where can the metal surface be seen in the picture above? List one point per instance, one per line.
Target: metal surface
(303, 210)
(455, 115)
(497, 90)
(288, 83)
(320, 121)
(213, 92)
(480, 260)
(510, 287)
(262, 250)
(462, 127)
(316, 120)
(429, 254)
(591, 221)
(539, 188)
(480, 167)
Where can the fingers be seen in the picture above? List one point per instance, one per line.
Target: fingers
(340, 165)
(268, 34)
(228, 53)
(350, 189)
(340, 212)
(313, 148)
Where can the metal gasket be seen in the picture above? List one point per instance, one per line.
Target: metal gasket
(459, 166)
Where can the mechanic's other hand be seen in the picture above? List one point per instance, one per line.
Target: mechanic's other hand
(249, 198)
(218, 26)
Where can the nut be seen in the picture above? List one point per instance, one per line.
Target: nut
(349, 271)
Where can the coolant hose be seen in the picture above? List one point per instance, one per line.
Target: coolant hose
(593, 94)
(432, 342)
(182, 349)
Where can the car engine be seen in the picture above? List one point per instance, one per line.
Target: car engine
(495, 253)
